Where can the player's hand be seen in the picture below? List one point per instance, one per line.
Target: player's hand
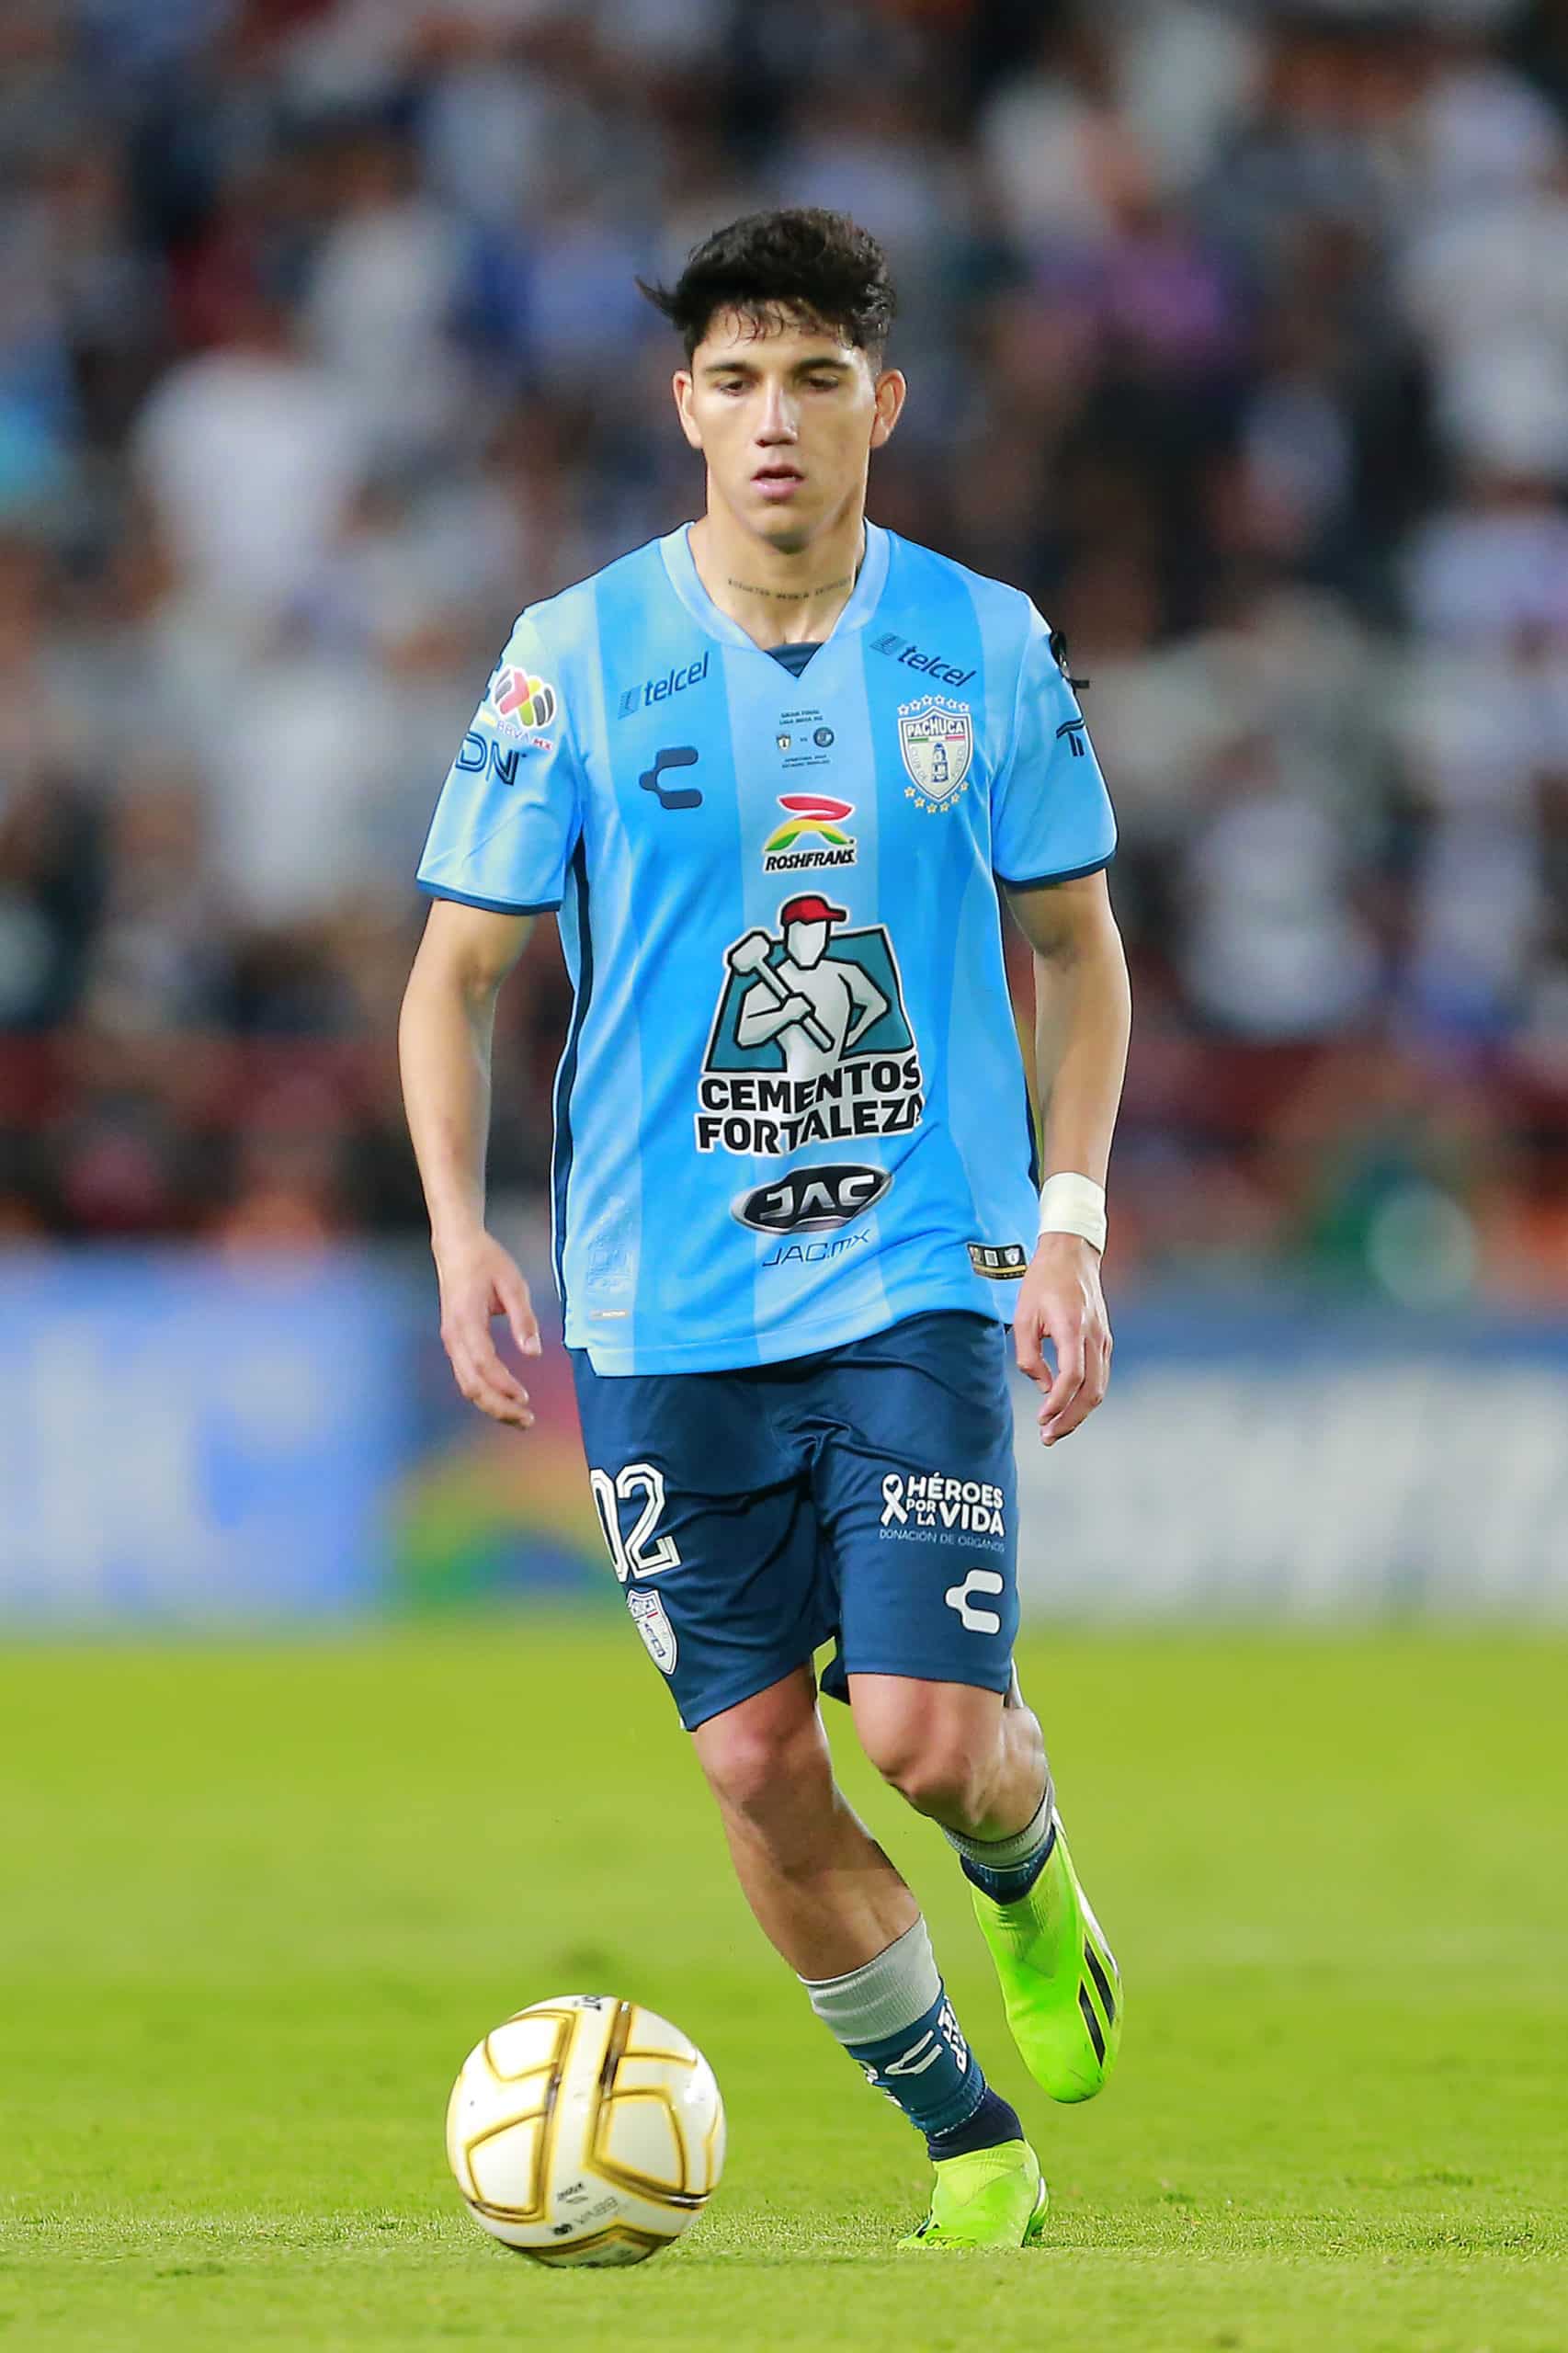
(1060, 1299)
(480, 1280)
(795, 1007)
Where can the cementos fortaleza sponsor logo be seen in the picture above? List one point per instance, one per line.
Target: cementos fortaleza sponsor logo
(811, 1041)
(811, 835)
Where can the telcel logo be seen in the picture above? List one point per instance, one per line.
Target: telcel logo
(654, 691)
(899, 649)
(811, 1200)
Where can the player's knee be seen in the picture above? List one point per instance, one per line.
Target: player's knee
(763, 1766)
(744, 1770)
(937, 1774)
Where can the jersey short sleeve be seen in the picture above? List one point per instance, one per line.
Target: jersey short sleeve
(511, 810)
(1050, 814)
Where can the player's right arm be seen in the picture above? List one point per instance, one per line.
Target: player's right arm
(505, 830)
(444, 1043)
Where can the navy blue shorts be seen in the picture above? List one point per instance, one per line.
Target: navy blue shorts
(865, 1495)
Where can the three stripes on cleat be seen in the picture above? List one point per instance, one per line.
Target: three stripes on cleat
(1101, 1974)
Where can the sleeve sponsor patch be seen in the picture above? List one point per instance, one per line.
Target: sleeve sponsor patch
(999, 1262)
(520, 704)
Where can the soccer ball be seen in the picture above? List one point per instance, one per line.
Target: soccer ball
(585, 2131)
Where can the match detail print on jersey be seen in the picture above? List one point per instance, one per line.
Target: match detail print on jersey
(811, 1042)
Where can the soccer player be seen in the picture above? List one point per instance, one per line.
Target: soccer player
(768, 773)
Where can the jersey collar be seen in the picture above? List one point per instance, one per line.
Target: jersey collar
(685, 580)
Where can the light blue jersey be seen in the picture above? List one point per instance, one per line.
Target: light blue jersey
(791, 1109)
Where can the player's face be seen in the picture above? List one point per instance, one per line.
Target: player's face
(787, 417)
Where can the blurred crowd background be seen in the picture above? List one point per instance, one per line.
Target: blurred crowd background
(1238, 336)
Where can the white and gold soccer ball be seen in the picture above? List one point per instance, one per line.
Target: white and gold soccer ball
(586, 2130)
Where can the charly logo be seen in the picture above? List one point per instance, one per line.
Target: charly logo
(811, 1200)
(811, 1042)
(937, 739)
(962, 1599)
(672, 796)
(811, 835)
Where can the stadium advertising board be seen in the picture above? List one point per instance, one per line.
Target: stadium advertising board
(193, 1438)
(1307, 1462)
(189, 1437)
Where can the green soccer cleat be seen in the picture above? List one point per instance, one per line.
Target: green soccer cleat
(1060, 1983)
(991, 2197)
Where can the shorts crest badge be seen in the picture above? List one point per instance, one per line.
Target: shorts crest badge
(654, 1625)
(937, 739)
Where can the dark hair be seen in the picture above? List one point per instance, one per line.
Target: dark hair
(818, 265)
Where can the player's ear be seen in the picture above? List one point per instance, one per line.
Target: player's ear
(891, 390)
(681, 387)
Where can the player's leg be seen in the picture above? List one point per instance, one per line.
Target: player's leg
(714, 1535)
(973, 1762)
(822, 1890)
(833, 1906)
(918, 1488)
(965, 1755)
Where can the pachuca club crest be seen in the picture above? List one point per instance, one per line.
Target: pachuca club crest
(937, 739)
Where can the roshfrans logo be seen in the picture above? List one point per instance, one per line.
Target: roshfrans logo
(652, 690)
(811, 835)
(934, 665)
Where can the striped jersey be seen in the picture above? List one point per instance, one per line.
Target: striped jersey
(791, 1108)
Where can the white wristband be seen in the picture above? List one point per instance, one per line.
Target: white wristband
(1070, 1204)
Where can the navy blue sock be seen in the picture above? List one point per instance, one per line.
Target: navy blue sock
(927, 2069)
(992, 2121)
(1009, 1886)
(894, 2018)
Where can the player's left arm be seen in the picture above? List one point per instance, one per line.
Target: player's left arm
(1082, 1016)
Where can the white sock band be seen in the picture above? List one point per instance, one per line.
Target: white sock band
(1011, 1853)
(1072, 1204)
(883, 1995)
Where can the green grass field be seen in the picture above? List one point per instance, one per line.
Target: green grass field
(257, 1903)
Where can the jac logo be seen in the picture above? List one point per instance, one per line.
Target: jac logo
(811, 1200)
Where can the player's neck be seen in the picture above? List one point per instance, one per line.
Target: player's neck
(779, 595)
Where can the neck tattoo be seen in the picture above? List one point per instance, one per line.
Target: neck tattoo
(790, 595)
